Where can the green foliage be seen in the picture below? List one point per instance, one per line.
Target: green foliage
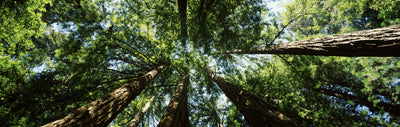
(295, 84)
(340, 16)
(226, 25)
(20, 22)
(104, 44)
(319, 90)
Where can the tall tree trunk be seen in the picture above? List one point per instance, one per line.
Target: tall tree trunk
(381, 42)
(101, 112)
(256, 112)
(182, 7)
(138, 117)
(393, 110)
(357, 87)
(177, 114)
(217, 118)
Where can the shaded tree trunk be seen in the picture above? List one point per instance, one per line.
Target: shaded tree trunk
(381, 42)
(177, 114)
(139, 116)
(256, 112)
(357, 87)
(393, 110)
(219, 121)
(101, 112)
(182, 7)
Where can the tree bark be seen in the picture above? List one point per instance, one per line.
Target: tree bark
(381, 42)
(177, 114)
(139, 116)
(393, 110)
(256, 112)
(101, 112)
(357, 86)
(182, 7)
(219, 121)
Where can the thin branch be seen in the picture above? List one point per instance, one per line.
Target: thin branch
(290, 64)
(139, 64)
(130, 115)
(140, 54)
(180, 73)
(120, 72)
(154, 120)
(281, 31)
(114, 80)
(136, 44)
(130, 46)
(162, 86)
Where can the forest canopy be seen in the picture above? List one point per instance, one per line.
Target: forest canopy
(200, 63)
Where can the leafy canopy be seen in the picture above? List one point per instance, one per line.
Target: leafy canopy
(99, 45)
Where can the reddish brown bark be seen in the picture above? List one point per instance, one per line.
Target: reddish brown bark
(101, 112)
(177, 114)
(256, 112)
(381, 42)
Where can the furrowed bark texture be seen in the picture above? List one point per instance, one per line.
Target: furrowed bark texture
(381, 42)
(138, 117)
(101, 112)
(177, 114)
(256, 112)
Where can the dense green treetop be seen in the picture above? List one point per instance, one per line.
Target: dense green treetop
(88, 48)
(20, 22)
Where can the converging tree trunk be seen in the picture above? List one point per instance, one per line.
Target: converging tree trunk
(177, 114)
(381, 42)
(182, 7)
(218, 120)
(256, 112)
(101, 112)
(139, 116)
(393, 110)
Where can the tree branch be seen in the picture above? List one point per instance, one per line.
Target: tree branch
(290, 64)
(281, 31)
(162, 86)
(381, 42)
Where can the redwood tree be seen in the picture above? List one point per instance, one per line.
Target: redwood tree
(102, 111)
(381, 42)
(108, 42)
(138, 117)
(254, 109)
(177, 114)
(392, 109)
